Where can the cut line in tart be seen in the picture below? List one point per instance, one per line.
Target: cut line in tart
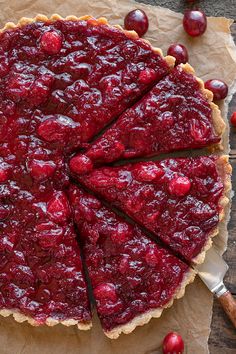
(133, 278)
(177, 114)
(180, 200)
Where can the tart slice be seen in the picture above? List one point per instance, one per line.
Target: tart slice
(133, 278)
(41, 274)
(181, 200)
(176, 114)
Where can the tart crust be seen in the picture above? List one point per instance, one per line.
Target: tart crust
(146, 317)
(19, 317)
(217, 119)
(224, 170)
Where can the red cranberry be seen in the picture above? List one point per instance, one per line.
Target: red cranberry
(52, 130)
(41, 170)
(3, 175)
(147, 76)
(173, 344)
(233, 119)
(81, 164)
(149, 172)
(179, 52)
(218, 87)
(195, 22)
(51, 42)
(137, 21)
(106, 291)
(179, 186)
(58, 208)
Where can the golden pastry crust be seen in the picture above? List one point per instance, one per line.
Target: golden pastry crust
(19, 317)
(217, 120)
(224, 170)
(144, 318)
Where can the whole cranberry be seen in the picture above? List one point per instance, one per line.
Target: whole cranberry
(218, 87)
(173, 344)
(194, 22)
(137, 21)
(179, 52)
(179, 186)
(233, 119)
(51, 42)
(81, 164)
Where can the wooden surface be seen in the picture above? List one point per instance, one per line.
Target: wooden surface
(223, 335)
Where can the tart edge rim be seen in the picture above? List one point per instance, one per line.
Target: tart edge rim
(144, 318)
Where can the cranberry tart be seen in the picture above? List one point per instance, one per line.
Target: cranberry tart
(133, 278)
(177, 114)
(61, 82)
(181, 200)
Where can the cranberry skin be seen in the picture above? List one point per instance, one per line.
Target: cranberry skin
(218, 87)
(194, 22)
(233, 119)
(51, 42)
(81, 164)
(105, 291)
(137, 21)
(179, 52)
(147, 76)
(3, 175)
(179, 186)
(173, 344)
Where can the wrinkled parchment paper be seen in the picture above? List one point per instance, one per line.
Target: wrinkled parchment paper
(212, 55)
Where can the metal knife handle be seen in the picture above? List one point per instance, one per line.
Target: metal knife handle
(229, 305)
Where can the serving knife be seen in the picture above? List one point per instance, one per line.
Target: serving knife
(212, 273)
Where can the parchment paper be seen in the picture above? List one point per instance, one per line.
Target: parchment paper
(212, 55)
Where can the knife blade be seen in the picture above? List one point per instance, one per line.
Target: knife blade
(212, 273)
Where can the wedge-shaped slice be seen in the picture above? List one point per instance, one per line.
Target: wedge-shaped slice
(180, 200)
(176, 114)
(41, 274)
(133, 278)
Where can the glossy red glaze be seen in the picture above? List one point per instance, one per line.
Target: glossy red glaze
(130, 274)
(173, 116)
(176, 199)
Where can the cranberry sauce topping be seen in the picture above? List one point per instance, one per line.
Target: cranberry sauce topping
(41, 272)
(176, 199)
(130, 274)
(174, 115)
(72, 77)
